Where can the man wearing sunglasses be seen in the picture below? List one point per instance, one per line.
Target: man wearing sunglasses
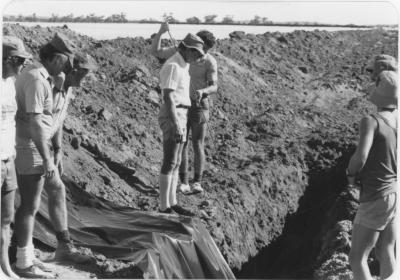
(14, 57)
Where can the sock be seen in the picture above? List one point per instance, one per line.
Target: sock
(31, 250)
(184, 177)
(63, 236)
(174, 184)
(198, 177)
(24, 257)
(165, 186)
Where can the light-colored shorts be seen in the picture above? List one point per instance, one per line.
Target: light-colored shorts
(8, 176)
(29, 161)
(378, 213)
(167, 126)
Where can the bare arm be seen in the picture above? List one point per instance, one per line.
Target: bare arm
(38, 135)
(156, 48)
(171, 111)
(368, 126)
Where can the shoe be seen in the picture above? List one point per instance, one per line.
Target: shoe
(38, 263)
(69, 253)
(197, 188)
(166, 211)
(33, 272)
(182, 211)
(184, 188)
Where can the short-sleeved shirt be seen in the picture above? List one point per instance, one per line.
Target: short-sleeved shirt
(34, 95)
(201, 72)
(61, 100)
(7, 124)
(174, 75)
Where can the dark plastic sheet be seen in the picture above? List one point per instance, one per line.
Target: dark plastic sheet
(163, 246)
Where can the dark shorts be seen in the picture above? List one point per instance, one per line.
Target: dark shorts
(198, 115)
(8, 175)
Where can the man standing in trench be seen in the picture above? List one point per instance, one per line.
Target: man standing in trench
(203, 82)
(375, 162)
(34, 162)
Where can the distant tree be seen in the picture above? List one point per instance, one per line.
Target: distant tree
(255, 20)
(228, 19)
(210, 19)
(170, 18)
(193, 20)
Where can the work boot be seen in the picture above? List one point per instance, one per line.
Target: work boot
(33, 272)
(166, 211)
(67, 252)
(182, 211)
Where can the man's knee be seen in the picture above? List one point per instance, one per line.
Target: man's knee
(55, 188)
(7, 216)
(168, 166)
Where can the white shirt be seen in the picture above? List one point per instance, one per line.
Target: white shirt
(174, 75)
(7, 124)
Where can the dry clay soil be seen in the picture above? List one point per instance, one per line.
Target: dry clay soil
(283, 125)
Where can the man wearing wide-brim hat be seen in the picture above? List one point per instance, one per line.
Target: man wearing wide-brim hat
(375, 164)
(34, 161)
(174, 83)
(13, 60)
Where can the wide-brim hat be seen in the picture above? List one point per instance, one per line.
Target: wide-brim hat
(192, 41)
(384, 95)
(85, 61)
(64, 46)
(13, 46)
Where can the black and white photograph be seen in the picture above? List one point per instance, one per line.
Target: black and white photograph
(249, 139)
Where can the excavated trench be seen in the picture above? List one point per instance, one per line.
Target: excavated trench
(297, 252)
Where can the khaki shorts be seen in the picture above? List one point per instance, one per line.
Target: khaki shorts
(167, 126)
(378, 213)
(29, 161)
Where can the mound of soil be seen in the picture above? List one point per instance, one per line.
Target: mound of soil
(283, 126)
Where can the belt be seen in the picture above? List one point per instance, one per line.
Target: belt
(183, 106)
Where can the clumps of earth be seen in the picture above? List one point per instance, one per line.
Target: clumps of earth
(283, 126)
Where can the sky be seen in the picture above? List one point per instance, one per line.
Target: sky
(323, 11)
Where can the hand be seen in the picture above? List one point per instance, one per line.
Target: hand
(58, 161)
(49, 168)
(178, 133)
(164, 28)
(198, 97)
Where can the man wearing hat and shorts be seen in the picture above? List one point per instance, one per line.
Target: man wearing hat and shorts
(34, 162)
(203, 82)
(375, 163)
(174, 83)
(14, 57)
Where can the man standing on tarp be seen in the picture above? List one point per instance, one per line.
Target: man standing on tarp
(203, 82)
(174, 83)
(34, 161)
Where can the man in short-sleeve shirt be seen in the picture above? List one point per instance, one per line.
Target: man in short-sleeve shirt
(174, 83)
(203, 82)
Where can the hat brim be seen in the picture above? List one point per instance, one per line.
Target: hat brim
(25, 55)
(199, 49)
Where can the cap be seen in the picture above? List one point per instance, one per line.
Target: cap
(63, 45)
(382, 62)
(85, 61)
(384, 95)
(193, 42)
(13, 46)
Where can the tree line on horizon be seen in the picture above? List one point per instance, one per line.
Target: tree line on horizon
(121, 18)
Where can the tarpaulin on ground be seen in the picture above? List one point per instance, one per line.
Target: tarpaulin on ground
(163, 246)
